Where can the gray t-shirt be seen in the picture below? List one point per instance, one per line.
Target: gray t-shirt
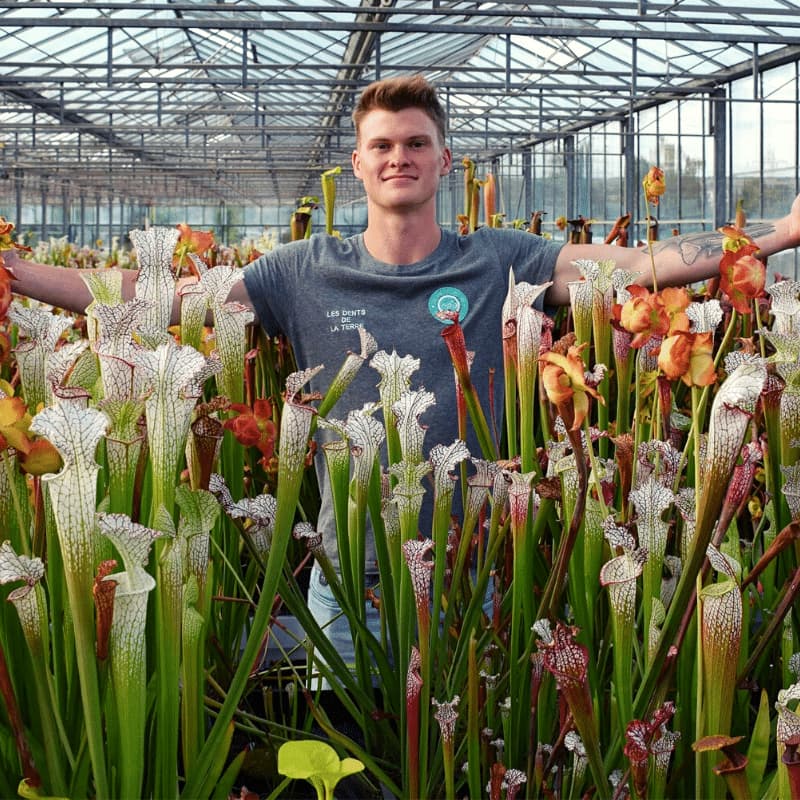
(319, 291)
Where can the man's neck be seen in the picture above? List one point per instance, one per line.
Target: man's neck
(402, 240)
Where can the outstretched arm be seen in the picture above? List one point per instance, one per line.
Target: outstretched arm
(57, 286)
(679, 260)
(64, 288)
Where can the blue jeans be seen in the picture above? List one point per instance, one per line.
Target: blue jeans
(326, 611)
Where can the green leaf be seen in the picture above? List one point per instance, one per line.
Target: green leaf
(306, 758)
(30, 793)
(225, 785)
(316, 762)
(758, 750)
(350, 766)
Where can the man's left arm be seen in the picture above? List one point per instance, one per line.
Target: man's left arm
(679, 260)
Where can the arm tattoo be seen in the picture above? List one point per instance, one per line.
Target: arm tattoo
(705, 244)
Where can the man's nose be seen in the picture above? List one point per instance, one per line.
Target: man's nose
(399, 154)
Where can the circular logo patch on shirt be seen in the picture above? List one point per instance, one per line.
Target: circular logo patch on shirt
(448, 298)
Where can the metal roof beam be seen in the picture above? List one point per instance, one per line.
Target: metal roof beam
(751, 33)
(627, 11)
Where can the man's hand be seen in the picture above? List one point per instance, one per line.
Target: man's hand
(794, 220)
(8, 259)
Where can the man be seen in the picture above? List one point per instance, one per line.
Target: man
(394, 277)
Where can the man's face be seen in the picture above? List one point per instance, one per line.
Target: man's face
(399, 158)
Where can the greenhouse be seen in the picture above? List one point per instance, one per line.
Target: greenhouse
(399, 399)
(118, 113)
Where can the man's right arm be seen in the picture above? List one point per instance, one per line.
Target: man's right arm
(59, 287)
(62, 287)
(238, 294)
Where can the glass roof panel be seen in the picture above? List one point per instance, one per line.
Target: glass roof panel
(252, 100)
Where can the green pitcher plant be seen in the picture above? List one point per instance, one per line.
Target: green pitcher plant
(109, 668)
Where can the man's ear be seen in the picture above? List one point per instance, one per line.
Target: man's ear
(447, 161)
(355, 162)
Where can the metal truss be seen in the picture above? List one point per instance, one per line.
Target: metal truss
(248, 102)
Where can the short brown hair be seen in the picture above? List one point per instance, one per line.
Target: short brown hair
(396, 94)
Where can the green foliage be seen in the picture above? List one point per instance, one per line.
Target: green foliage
(317, 763)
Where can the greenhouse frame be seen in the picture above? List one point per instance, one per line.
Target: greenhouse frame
(458, 462)
(120, 114)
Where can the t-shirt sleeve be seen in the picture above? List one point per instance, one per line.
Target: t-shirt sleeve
(264, 279)
(532, 257)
